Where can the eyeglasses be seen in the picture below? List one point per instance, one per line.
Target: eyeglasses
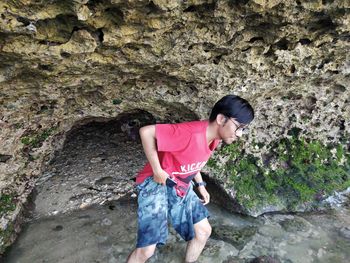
(242, 127)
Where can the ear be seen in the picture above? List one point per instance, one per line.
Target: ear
(221, 119)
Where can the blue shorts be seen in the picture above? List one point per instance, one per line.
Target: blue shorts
(157, 203)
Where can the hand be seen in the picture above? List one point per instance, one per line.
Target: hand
(205, 195)
(160, 176)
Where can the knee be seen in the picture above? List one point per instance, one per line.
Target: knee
(145, 252)
(208, 231)
(204, 233)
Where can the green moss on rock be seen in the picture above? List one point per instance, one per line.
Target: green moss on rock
(296, 171)
(295, 224)
(7, 203)
(6, 237)
(237, 236)
(36, 140)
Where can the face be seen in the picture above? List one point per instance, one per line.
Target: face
(230, 129)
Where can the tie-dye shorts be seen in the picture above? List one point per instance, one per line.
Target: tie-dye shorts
(157, 203)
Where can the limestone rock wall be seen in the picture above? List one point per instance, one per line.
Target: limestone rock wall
(63, 62)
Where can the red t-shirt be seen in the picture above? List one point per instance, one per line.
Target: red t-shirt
(182, 150)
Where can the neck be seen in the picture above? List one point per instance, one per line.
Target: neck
(212, 132)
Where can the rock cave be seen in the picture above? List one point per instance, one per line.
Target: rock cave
(79, 78)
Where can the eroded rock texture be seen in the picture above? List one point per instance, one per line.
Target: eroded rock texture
(65, 62)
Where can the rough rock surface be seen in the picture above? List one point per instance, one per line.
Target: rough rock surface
(97, 164)
(66, 63)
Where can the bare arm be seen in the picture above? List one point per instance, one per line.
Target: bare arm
(149, 143)
(204, 193)
(198, 178)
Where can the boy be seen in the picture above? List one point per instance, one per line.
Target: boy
(176, 153)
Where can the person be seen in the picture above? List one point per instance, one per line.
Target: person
(178, 152)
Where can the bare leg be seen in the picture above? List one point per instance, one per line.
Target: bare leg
(140, 255)
(194, 248)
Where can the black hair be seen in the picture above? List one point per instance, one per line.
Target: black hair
(235, 107)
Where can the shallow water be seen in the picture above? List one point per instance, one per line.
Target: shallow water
(108, 234)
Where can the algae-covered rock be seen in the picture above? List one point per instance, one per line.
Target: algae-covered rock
(295, 175)
(237, 236)
(295, 224)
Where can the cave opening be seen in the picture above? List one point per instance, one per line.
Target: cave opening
(97, 164)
